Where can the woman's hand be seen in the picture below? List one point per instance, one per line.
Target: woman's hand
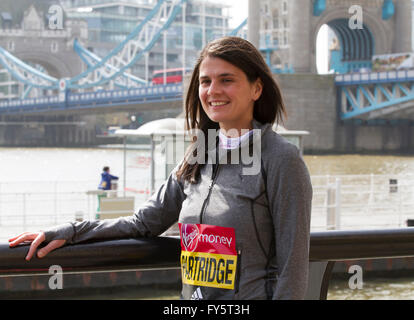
(35, 238)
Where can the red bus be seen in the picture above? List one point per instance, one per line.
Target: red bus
(171, 75)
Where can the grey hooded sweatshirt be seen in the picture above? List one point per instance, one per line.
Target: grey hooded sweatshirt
(269, 208)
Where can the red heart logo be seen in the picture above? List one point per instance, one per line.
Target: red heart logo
(189, 236)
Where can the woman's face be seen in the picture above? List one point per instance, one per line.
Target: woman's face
(226, 94)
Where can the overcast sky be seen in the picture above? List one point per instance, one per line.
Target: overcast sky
(238, 11)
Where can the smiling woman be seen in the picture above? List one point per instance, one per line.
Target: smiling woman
(244, 233)
(231, 85)
(232, 90)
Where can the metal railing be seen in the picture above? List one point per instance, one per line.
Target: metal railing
(163, 252)
(100, 98)
(115, 255)
(362, 201)
(328, 247)
(340, 202)
(30, 205)
(375, 77)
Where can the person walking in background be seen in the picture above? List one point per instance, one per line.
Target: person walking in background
(106, 179)
(105, 185)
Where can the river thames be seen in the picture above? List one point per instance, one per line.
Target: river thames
(63, 164)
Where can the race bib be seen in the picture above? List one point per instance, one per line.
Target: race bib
(208, 255)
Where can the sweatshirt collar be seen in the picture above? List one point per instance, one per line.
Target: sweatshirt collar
(254, 138)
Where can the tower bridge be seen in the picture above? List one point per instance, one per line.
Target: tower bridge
(338, 110)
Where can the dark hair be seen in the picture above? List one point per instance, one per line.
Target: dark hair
(106, 169)
(269, 108)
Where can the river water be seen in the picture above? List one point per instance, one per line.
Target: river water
(30, 170)
(50, 164)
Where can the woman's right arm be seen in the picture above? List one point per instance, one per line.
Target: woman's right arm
(153, 218)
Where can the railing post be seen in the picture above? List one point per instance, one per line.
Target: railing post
(24, 210)
(400, 205)
(371, 190)
(338, 203)
(0, 203)
(333, 216)
(330, 210)
(55, 200)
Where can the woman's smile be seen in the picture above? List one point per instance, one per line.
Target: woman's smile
(218, 104)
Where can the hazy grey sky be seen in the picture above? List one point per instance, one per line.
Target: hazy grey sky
(238, 11)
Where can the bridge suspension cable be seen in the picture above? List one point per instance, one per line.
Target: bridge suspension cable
(112, 68)
(141, 40)
(125, 80)
(25, 73)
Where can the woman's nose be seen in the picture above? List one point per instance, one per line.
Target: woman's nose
(214, 88)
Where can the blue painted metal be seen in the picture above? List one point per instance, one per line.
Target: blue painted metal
(362, 94)
(358, 110)
(31, 82)
(88, 56)
(29, 75)
(27, 91)
(24, 67)
(336, 63)
(388, 9)
(90, 100)
(348, 45)
(286, 69)
(402, 76)
(74, 81)
(356, 47)
(267, 49)
(238, 29)
(319, 6)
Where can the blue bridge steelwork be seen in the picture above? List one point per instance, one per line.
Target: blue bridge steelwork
(110, 70)
(95, 87)
(361, 96)
(98, 99)
(376, 96)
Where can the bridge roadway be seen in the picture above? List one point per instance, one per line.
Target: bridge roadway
(135, 99)
(366, 96)
(71, 119)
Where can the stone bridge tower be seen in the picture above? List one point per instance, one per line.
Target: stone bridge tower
(292, 26)
(51, 49)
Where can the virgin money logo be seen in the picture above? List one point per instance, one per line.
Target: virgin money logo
(189, 236)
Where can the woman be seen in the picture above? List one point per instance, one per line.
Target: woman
(244, 228)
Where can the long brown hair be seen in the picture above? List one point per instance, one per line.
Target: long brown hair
(269, 108)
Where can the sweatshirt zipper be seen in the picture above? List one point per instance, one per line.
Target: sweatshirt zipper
(210, 188)
(238, 272)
